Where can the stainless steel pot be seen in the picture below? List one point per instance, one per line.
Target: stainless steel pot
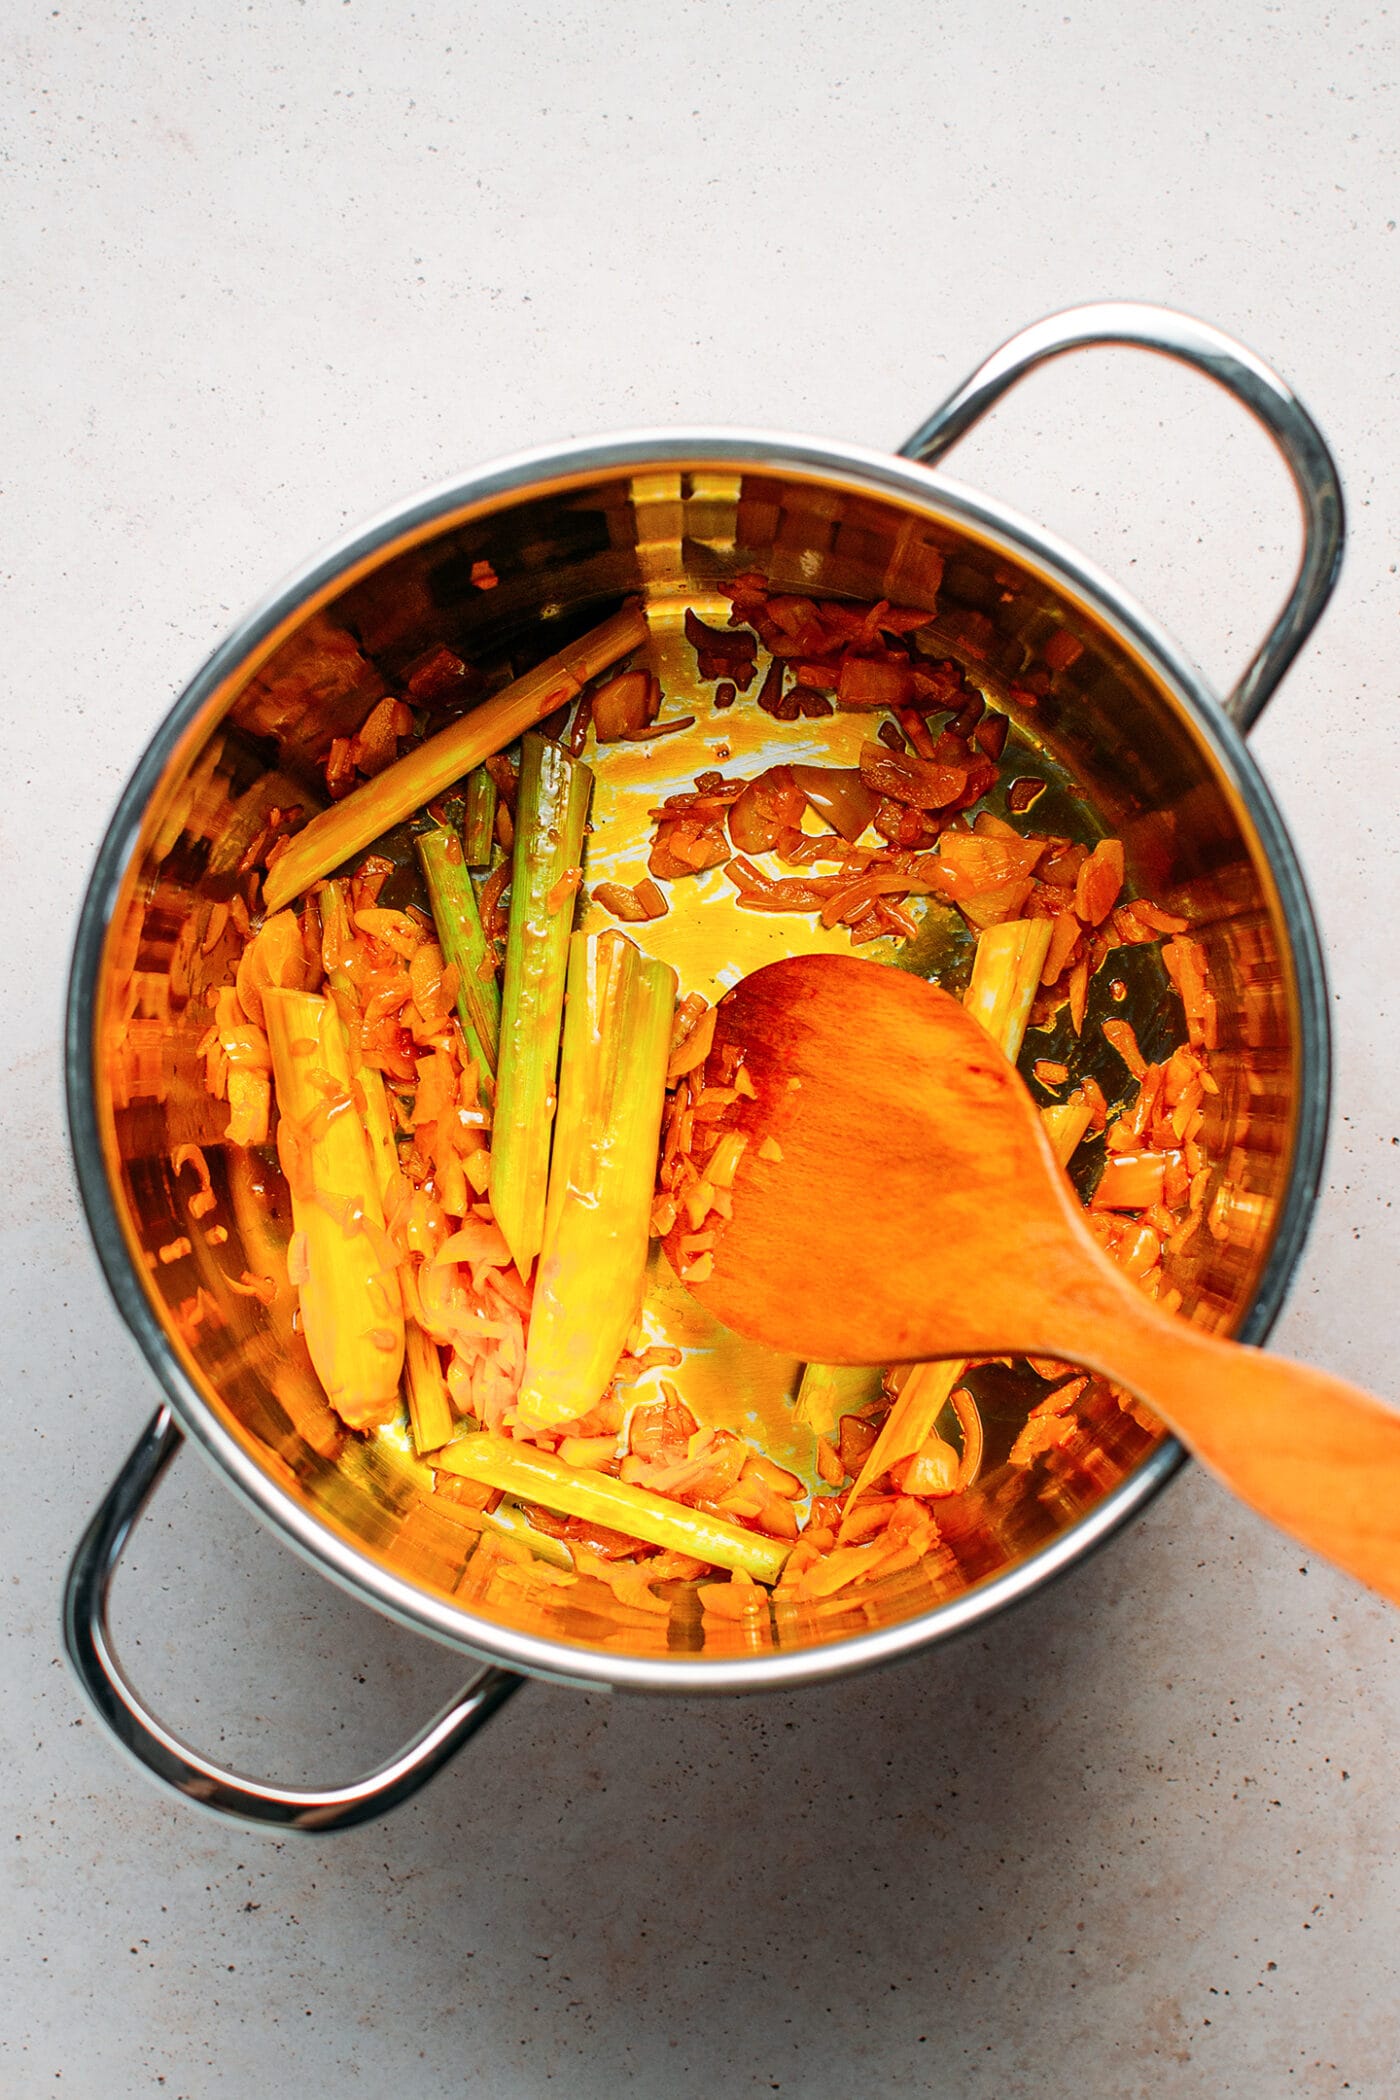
(568, 533)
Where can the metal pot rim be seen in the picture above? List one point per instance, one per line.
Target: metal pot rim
(863, 471)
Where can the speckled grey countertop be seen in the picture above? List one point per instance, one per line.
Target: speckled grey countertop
(274, 265)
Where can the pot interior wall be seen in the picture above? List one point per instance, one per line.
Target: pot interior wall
(562, 560)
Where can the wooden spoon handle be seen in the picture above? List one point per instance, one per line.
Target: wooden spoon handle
(1317, 1457)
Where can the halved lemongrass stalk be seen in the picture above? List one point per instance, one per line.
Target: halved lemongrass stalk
(532, 1476)
(429, 1403)
(479, 819)
(379, 1122)
(909, 1424)
(347, 827)
(828, 1391)
(1065, 1124)
(1005, 973)
(430, 1413)
(1005, 978)
(379, 1129)
(457, 917)
(612, 1090)
(551, 808)
(351, 1303)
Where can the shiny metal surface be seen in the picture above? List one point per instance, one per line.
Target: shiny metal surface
(172, 1763)
(569, 532)
(1191, 342)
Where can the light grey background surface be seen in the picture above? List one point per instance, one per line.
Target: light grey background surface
(271, 266)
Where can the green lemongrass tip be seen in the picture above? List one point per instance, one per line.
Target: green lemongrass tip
(347, 827)
(551, 809)
(462, 938)
(828, 1391)
(1005, 975)
(578, 1491)
(429, 1403)
(612, 1090)
(479, 819)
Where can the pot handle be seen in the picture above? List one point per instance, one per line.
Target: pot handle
(163, 1755)
(1241, 373)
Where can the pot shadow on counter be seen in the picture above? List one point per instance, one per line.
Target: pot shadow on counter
(695, 1896)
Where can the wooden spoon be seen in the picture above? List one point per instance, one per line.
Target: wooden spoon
(897, 1200)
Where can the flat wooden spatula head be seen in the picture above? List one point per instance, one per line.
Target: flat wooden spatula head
(896, 1195)
(895, 1199)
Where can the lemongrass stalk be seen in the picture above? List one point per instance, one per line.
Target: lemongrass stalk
(1005, 977)
(551, 808)
(351, 1304)
(612, 1090)
(1065, 1124)
(512, 1523)
(347, 827)
(462, 938)
(429, 1403)
(379, 1130)
(479, 819)
(379, 1121)
(909, 1424)
(337, 936)
(430, 1414)
(828, 1391)
(1005, 974)
(575, 1491)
